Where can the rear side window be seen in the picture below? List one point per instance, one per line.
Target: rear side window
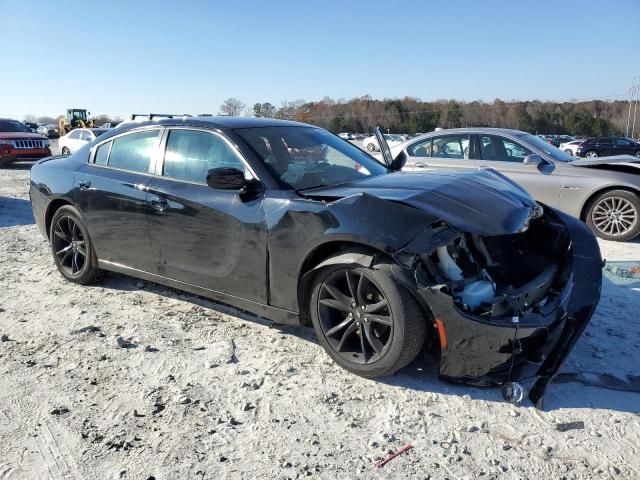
(75, 135)
(102, 154)
(86, 135)
(190, 154)
(451, 146)
(605, 141)
(134, 151)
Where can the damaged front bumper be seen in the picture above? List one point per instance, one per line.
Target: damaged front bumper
(528, 349)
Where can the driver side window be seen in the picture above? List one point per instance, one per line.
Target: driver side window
(190, 154)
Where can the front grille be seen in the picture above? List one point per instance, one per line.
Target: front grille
(29, 143)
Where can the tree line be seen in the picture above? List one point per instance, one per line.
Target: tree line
(412, 115)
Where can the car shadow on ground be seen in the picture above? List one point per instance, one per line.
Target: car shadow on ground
(15, 211)
(593, 390)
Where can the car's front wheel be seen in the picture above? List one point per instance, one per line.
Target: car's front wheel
(72, 248)
(366, 320)
(615, 215)
(568, 150)
(591, 154)
(371, 147)
(66, 151)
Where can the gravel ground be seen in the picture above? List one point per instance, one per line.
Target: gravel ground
(133, 380)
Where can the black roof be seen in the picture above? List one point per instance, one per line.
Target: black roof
(216, 122)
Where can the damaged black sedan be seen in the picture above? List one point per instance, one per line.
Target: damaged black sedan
(292, 223)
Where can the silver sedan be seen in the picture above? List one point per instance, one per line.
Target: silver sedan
(603, 192)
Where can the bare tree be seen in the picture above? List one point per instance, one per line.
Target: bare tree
(232, 107)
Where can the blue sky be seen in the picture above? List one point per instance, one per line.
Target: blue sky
(118, 57)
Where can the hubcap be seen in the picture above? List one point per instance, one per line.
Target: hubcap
(355, 317)
(69, 245)
(592, 154)
(614, 216)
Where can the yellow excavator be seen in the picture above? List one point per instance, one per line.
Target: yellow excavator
(76, 118)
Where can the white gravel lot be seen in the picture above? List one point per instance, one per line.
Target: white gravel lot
(205, 391)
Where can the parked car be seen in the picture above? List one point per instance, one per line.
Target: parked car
(33, 127)
(604, 193)
(608, 146)
(556, 140)
(291, 222)
(78, 138)
(371, 143)
(570, 147)
(346, 136)
(49, 130)
(18, 142)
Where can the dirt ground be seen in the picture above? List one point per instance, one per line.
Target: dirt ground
(129, 379)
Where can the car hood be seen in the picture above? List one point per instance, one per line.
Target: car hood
(615, 160)
(20, 136)
(483, 202)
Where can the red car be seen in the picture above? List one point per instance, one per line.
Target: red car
(17, 142)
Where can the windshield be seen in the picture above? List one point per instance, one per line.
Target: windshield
(307, 157)
(547, 148)
(13, 126)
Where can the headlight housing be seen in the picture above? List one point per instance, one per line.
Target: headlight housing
(5, 142)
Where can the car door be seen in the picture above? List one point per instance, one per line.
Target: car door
(623, 146)
(506, 155)
(111, 194)
(210, 238)
(440, 152)
(604, 147)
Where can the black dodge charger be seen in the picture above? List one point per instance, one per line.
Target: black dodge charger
(292, 223)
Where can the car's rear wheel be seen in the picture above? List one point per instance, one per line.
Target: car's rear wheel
(366, 320)
(568, 150)
(72, 248)
(371, 147)
(591, 154)
(66, 151)
(615, 215)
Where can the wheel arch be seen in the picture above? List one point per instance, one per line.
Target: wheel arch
(589, 201)
(346, 253)
(52, 208)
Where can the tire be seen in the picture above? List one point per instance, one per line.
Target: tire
(398, 342)
(591, 154)
(615, 215)
(66, 151)
(72, 248)
(569, 151)
(371, 147)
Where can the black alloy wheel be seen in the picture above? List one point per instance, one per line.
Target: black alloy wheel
(366, 320)
(72, 248)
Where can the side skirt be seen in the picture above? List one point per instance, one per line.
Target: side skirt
(277, 315)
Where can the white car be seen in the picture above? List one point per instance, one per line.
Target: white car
(76, 139)
(570, 147)
(371, 144)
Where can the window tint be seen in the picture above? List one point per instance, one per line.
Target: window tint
(623, 141)
(605, 141)
(102, 154)
(501, 149)
(191, 153)
(451, 146)
(75, 135)
(420, 149)
(133, 151)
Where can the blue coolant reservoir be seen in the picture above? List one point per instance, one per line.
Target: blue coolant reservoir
(477, 292)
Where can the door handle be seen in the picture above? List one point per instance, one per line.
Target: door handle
(422, 165)
(159, 204)
(84, 184)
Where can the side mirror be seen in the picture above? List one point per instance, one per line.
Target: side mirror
(533, 159)
(226, 179)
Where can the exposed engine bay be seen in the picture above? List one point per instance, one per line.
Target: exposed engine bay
(503, 275)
